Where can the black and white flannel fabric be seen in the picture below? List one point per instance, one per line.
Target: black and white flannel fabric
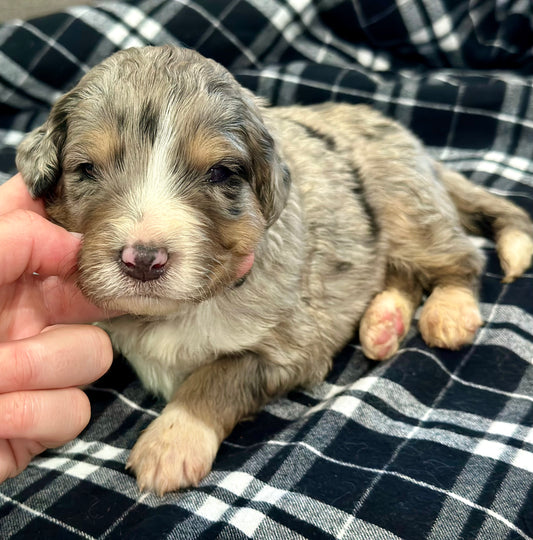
(430, 445)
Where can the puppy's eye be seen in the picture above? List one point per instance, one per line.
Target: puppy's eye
(219, 173)
(88, 170)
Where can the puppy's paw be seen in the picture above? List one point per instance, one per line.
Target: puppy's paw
(384, 324)
(450, 318)
(515, 249)
(176, 451)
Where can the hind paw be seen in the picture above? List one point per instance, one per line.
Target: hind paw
(450, 318)
(384, 325)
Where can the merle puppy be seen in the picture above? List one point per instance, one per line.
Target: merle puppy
(246, 243)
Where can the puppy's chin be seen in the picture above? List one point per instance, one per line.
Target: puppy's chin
(147, 306)
(153, 305)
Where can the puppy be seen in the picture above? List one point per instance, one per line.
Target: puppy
(246, 243)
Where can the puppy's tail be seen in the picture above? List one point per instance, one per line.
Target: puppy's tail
(484, 214)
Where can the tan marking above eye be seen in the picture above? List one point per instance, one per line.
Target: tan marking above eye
(206, 150)
(94, 146)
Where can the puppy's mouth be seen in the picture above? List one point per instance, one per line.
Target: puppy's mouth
(156, 291)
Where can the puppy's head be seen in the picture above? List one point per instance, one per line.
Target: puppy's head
(165, 165)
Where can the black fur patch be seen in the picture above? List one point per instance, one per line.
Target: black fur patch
(343, 266)
(232, 192)
(328, 140)
(231, 189)
(149, 122)
(120, 157)
(121, 120)
(287, 180)
(482, 224)
(43, 185)
(359, 191)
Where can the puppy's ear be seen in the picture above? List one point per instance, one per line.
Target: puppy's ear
(271, 178)
(38, 155)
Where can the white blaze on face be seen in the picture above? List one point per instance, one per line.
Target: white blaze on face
(158, 217)
(157, 184)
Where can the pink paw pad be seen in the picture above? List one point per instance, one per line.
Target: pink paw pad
(382, 328)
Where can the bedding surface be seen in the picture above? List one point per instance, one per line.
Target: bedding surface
(432, 444)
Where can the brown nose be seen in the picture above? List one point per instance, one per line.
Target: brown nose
(144, 263)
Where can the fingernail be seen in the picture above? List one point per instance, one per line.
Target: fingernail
(77, 235)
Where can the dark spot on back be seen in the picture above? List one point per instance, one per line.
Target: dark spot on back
(328, 140)
(359, 191)
(380, 131)
(343, 266)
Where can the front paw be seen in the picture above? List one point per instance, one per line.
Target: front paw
(176, 451)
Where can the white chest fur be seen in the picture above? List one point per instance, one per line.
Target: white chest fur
(165, 352)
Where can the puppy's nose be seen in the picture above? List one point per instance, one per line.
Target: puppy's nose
(144, 263)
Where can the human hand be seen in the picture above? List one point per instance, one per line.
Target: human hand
(43, 359)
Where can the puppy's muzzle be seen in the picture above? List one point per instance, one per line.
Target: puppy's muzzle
(144, 263)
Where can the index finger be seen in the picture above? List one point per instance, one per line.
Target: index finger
(30, 243)
(14, 195)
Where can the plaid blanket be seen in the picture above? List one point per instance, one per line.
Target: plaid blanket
(431, 444)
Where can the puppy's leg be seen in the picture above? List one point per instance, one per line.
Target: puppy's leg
(387, 319)
(450, 317)
(421, 225)
(425, 239)
(485, 214)
(178, 448)
(450, 271)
